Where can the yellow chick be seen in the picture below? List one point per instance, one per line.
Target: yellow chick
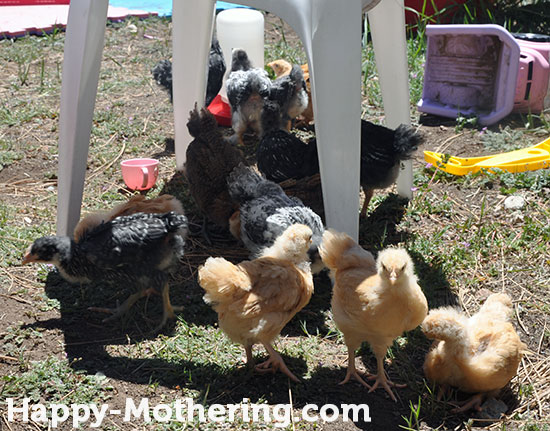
(479, 354)
(374, 301)
(256, 299)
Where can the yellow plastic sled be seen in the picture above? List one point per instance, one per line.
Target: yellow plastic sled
(526, 159)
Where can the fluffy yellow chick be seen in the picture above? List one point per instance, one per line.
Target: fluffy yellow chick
(479, 354)
(256, 299)
(374, 301)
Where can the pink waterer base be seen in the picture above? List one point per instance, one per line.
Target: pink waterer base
(482, 70)
(533, 84)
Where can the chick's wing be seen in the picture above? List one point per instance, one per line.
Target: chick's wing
(276, 286)
(125, 239)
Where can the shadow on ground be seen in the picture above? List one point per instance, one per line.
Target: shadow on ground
(86, 336)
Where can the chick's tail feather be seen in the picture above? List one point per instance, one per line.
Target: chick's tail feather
(498, 306)
(339, 251)
(406, 141)
(222, 280)
(449, 325)
(202, 124)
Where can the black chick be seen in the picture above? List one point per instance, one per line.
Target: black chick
(162, 73)
(210, 159)
(382, 151)
(280, 154)
(290, 93)
(266, 211)
(140, 249)
(247, 87)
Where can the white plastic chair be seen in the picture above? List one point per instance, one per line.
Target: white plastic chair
(330, 31)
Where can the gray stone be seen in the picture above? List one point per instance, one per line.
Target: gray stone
(514, 202)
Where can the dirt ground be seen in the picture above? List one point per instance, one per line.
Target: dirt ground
(70, 331)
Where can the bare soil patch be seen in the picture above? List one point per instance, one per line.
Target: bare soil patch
(49, 317)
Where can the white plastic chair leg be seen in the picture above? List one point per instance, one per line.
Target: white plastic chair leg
(192, 24)
(335, 73)
(82, 60)
(387, 24)
(331, 36)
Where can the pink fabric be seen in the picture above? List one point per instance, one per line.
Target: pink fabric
(16, 21)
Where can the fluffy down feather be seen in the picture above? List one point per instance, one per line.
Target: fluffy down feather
(137, 204)
(247, 87)
(139, 249)
(372, 301)
(382, 150)
(281, 68)
(210, 159)
(479, 354)
(280, 154)
(256, 299)
(289, 92)
(266, 212)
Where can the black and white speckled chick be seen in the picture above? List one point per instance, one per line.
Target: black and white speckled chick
(266, 211)
(162, 72)
(280, 154)
(290, 93)
(247, 87)
(141, 249)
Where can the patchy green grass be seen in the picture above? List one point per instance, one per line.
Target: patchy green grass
(463, 241)
(53, 380)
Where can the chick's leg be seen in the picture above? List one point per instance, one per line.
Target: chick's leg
(472, 403)
(249, 358)
(352, 371)
(167, 307)
(121, 309)
(443, 390)
(368, 197)
(274, 363)
(380, 377)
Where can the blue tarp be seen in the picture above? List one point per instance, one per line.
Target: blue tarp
(162, 7)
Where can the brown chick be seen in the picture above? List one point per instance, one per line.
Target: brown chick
(479, 354)
(210, 159)
(281, 68)
(256, 299)
(137, 204)
(372, 301)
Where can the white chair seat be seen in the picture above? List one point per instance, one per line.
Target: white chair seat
(330, 31)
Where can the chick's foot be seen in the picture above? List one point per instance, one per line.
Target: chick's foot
(275, 363)
(382, 380)
(472, 403)
(352, 372)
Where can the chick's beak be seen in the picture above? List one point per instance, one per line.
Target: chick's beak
(28, 257)
(393, 277)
